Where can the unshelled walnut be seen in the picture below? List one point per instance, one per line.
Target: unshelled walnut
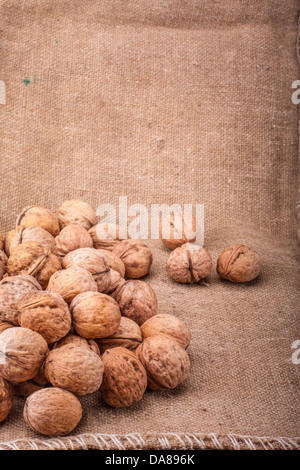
(189, 264)
(46, 313)
(115, 281)
(22, 352)
(239, 263)
(128, 336)
(75, 368)
(3, 264)
(12, 289)
(77, 212)
(137, 300)
(136, 256)
(7, 241)
(32, 234)
(79, 341)
(95, 315)
(164, 323)
(107, 236)
(52, 411)
(34, 259)
(124, 379)
(114, 261)
(6, 398)
(93, 261)
(39, 381)
(71, 282)
(72, 237)
(38, 216)
(178, 228)
(167, 364)
(4, 325)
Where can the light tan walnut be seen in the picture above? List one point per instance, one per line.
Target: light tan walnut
(32, 234)
(136, 256)
(239, 263)
(128, 336)
(79, 341)
(114, 261)
(52, 411)
(164, 323)
(6, 398)
(72, 237)
(71, 282)
(178, 228)
(115, 281)
(77, 212)
(107, 236)
(3, 264)
(7, 241)
(124, 380)
(38, 216)
(189, 264)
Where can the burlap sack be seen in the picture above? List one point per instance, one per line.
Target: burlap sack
(170, 102)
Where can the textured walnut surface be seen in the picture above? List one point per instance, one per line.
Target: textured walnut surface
(189, 264)
(38, 216)
(6, 398)
(136, 257)
(164, 323)
(177, 228)
(32, 234)
(77, 212)
(71, 282)
(239, 263)
(128, 335)
(72, 237)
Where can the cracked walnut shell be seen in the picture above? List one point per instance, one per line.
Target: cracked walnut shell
(239, 263)
(72, 237)
(38, 216)
(136, 256)
(189, 264)
(164, 323)
(71, 282)
(77, 212)
(6, 398)
(128, 336)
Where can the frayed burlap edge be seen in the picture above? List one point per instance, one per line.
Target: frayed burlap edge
(163, 441)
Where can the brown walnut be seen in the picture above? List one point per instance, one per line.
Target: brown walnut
(6, 398)
(77, 212)
(107, 236)
(52, 411)
(32, 234)
(38, 216)
(72, 237)
(128, 336)
(4, 325)
(115, 281)
(114, 261)
(136, 256)
(71, 282)
(3, 264)
(1, 242)
(124, 379)
(239, 263)
(178, 228)
(78, 340)
(7, 241)
(189, 264)
(164, 323)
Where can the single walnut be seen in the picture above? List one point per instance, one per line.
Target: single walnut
(137, 300)
(93, 261)
(71, 238)
(46, 313)
(178, 228)
(7, 241)
(12, 289)
(169, 325)
(239, 263)
(75, 368)
(52, 411)
(128, 336)
(78, 340)
(6, 398)
(167, 364)
(107, 236)
(3, 263)
(22, 352)
(115, 281)
(136, 256)
(114, 261)
(32, 234)
(95, 315)
(189, 264)
(76, 212)
(34, 259)
(4, 325)
(124, 379)
(71, 282)
(38, 216)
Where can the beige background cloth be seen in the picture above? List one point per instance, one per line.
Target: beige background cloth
(170, 102)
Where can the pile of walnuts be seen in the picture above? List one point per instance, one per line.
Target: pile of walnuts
(75, 317)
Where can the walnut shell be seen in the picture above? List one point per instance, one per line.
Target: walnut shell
(22, 352)
(34, 259)
(239, 263)
(137, 300)
(4, 325)
(52, 411)
(6, 398)
(124, 380)
(78, 340)
(107, 236)
(136, 256)
(3, 264)
(32, 234)
(115, 281)
(77, 212)
(189, 264)
(12, 289)
(7, 241)
(71, 282)
(178, 228)
(38, 216)
(128, 336)
(1, 242)
(75, 368)
(169, 325)
(114, 261)
(167, 364)
(46, 313)
(24, 389)
(93, 261)
(95, 315)
(72, 237)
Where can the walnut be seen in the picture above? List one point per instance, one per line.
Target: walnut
(78, 340)
(178, 228)
(12, 289)
(34, 259)
(32, 234)
(114, 261)
(39, 381)
(124, 379)
(164, 323)
(76, 212)
(75, 368)
(4, 325)
(38, 216)
(189, 264)
(137, 300)
(167, 364)
(239, 263)
(115, 281)
(128, 336)
(71, 282)
(6, 398)
(72, 237)
(46, 313)
(136, 256)
(107, 236)
(7, 241)
(3, 263)
(52, 411)
(22, 352)
(93, 261)
(1, 242)
(95, 315)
